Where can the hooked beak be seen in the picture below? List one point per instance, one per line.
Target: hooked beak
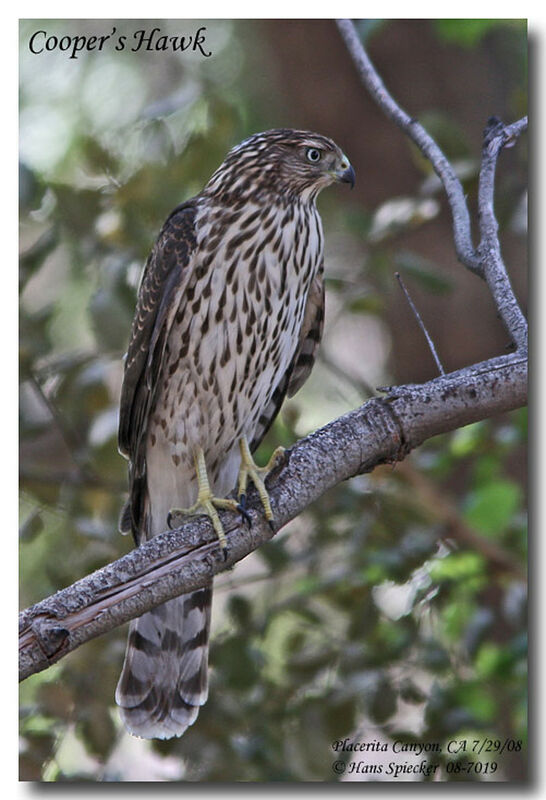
(346, 173)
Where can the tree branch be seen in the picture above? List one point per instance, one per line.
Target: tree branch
(497, 136)
(486, 260)
(425, 143)
(383, 430)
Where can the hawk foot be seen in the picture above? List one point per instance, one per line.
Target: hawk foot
(206, 503)
(249, 469)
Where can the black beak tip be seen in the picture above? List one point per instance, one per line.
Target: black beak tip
(349, 176)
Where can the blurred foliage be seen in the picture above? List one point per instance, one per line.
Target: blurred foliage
(469, 32)
(368, 617)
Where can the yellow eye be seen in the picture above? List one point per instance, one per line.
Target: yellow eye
(313, 155)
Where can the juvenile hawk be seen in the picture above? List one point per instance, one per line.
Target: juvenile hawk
(228, 320)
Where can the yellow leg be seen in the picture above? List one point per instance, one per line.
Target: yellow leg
(206, 503)
(249, 469)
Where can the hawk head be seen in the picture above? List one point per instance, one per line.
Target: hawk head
(286, 162)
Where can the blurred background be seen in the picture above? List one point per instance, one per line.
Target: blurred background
(395, 607)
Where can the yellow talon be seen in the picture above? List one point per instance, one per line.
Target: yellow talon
(206, 502)
(249, 469)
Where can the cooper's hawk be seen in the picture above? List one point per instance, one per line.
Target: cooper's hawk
(228, 320)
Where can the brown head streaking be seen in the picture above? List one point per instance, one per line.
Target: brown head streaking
(228, 321)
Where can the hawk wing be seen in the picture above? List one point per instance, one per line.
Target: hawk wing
(159, 297)
(310, 335)
(304, 357)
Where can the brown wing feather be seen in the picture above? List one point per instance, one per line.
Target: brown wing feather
(304, 358)
(161, 280)
(310, 335)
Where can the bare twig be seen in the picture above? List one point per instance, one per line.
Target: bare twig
(486, 260)
(361, 386)
(425, 143)
(413, 307)
(497, 136)
(383, 430)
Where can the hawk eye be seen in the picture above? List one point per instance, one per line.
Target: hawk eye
(313, 155)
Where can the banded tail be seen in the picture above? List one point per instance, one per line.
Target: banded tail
(165, 674)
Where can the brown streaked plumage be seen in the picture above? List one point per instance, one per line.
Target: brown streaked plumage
(228, 320)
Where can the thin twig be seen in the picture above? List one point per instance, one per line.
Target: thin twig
(421, 324)
(496, 136)
(486, 260)
(363, 388)
(452, 185)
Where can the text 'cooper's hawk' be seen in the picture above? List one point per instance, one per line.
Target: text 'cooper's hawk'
(228, 320)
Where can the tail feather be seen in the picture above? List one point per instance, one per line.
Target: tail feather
(165, 674)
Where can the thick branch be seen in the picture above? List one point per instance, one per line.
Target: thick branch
(382, 430)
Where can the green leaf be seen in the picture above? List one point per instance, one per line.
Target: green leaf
(31, 527)
(488, 660)
(490, 508)
(238, 661)
(35, 255)
(449, 136)
(477, 699)
(240, 610)
(434, 656)
(366, 304)
(468, 32)
(381, 702)
(456, 567)
(466, 440)
(423, 271)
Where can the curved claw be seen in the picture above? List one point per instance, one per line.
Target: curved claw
(241, 508)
